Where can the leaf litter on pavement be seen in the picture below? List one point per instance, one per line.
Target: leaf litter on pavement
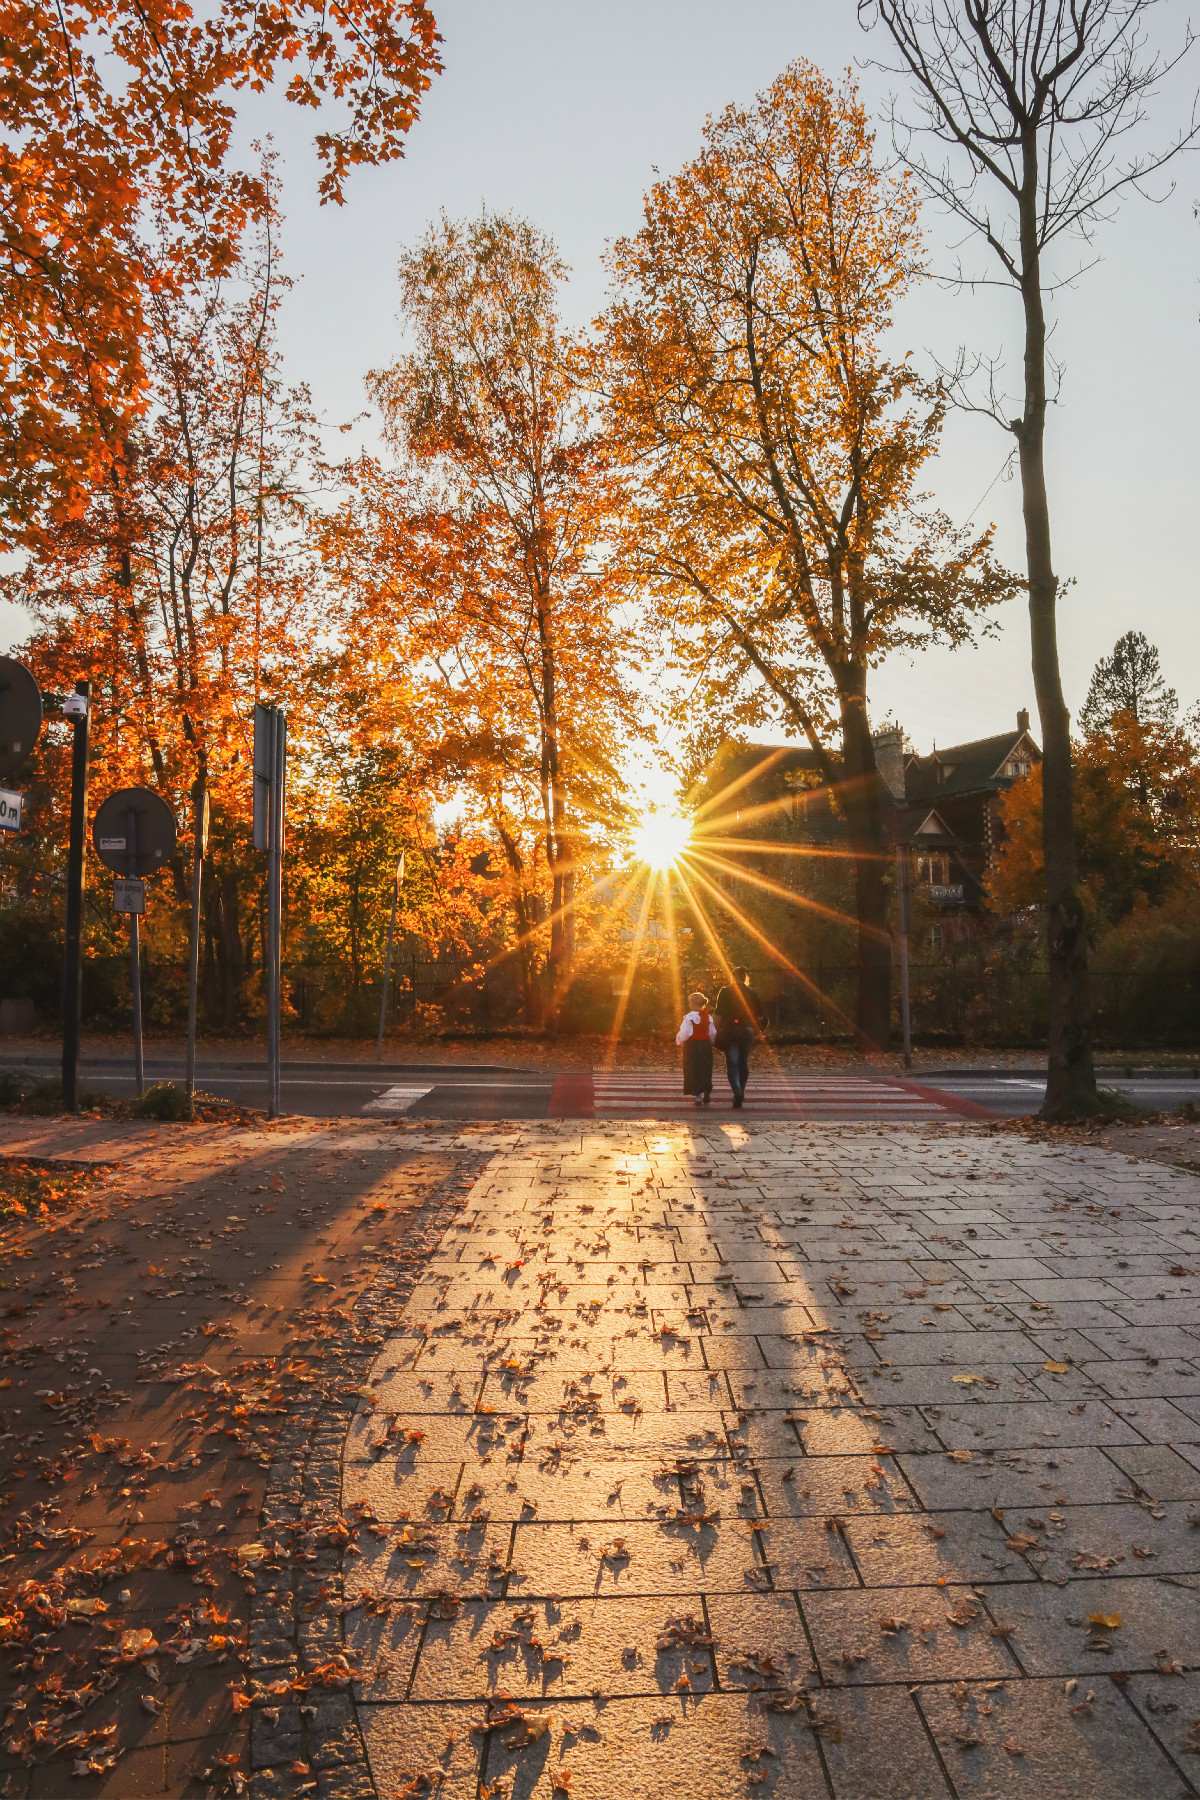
(139, 1547)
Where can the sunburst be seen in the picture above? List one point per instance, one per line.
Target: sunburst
(661, 837)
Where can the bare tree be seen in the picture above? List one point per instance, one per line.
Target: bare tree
(1035, 103)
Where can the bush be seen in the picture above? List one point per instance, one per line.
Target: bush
(31, 953)
(12, 1087)
(165, 1100)
(44, 1097)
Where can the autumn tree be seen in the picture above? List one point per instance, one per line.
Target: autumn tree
(778, 444)
(1129, 680)
(489, 551)
(178, 588)
(363, 795)
(109, 108)
(1028, 108)
(1137, 794)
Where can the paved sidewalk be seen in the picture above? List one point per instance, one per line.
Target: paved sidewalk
(186, 1328)
(727, 1459)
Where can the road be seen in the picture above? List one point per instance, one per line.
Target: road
(498, 1091)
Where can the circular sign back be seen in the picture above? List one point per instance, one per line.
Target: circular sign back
(20, 713)
(134, 831)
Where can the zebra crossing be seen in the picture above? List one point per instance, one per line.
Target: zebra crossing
(791, 1094)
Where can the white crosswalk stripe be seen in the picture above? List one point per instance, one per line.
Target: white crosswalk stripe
(657, 1094)
(396, 1099)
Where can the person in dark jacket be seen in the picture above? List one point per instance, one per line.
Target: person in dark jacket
(736, 1032)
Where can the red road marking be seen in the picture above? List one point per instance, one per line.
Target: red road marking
(967, 1109)
(572, 1097)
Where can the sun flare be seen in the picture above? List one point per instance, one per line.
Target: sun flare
(660, 837)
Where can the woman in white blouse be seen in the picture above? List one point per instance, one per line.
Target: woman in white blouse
(696, 1034)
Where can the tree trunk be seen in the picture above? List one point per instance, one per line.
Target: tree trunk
(862, 800)
(1071, 1078)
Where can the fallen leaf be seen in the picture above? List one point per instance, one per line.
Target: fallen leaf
(1105, 1621)
(1056, 1368)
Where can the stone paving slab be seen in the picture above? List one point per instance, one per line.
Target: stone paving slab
(660, 1750)
(1031, 1738)
(567, 1649)
(819, 1442)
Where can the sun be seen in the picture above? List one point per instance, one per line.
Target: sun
(660, 837)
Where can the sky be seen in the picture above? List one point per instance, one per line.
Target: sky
(562, 110)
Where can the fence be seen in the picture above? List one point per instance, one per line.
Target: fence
(998, 1001)
(968, 1001)
(487, 1002)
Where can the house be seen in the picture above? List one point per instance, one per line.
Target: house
(946, 809)
(965, 785)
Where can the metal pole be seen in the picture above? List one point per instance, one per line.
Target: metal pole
(275, 905)
(199, 804)
(135, 951)
(387, 965)
(905, 922)
(73, 933)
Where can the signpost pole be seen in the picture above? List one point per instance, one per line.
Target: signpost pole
(387, 966)
(73, 932)
(275, 899)
(199, 844)
(135, 951)
(905, 922)
(270, 783)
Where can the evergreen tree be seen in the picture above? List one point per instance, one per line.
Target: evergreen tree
(1130, 680)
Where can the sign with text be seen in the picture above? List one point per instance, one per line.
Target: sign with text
(10, 810)
(129, 894)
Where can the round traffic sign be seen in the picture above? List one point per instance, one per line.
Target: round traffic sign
(20, 713)
(134, 831)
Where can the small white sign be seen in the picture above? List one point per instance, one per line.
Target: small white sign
(112, 843)
(129, 894)
(10, 810)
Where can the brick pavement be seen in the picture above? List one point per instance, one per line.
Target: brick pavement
(778, 1460)
(184, 1340)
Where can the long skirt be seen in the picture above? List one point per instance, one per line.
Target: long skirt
(697, 1067)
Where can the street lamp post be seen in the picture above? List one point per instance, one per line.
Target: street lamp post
(200, 819)
(904, 895)
(387, 966)
(80, 716)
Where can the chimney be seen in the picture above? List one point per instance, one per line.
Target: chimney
(889, 760)
(1022, 720)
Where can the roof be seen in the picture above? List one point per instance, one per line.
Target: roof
(911, 824)
(746, 774)
(968, 768)
(741, 768)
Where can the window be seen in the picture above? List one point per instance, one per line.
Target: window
(933, 870)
